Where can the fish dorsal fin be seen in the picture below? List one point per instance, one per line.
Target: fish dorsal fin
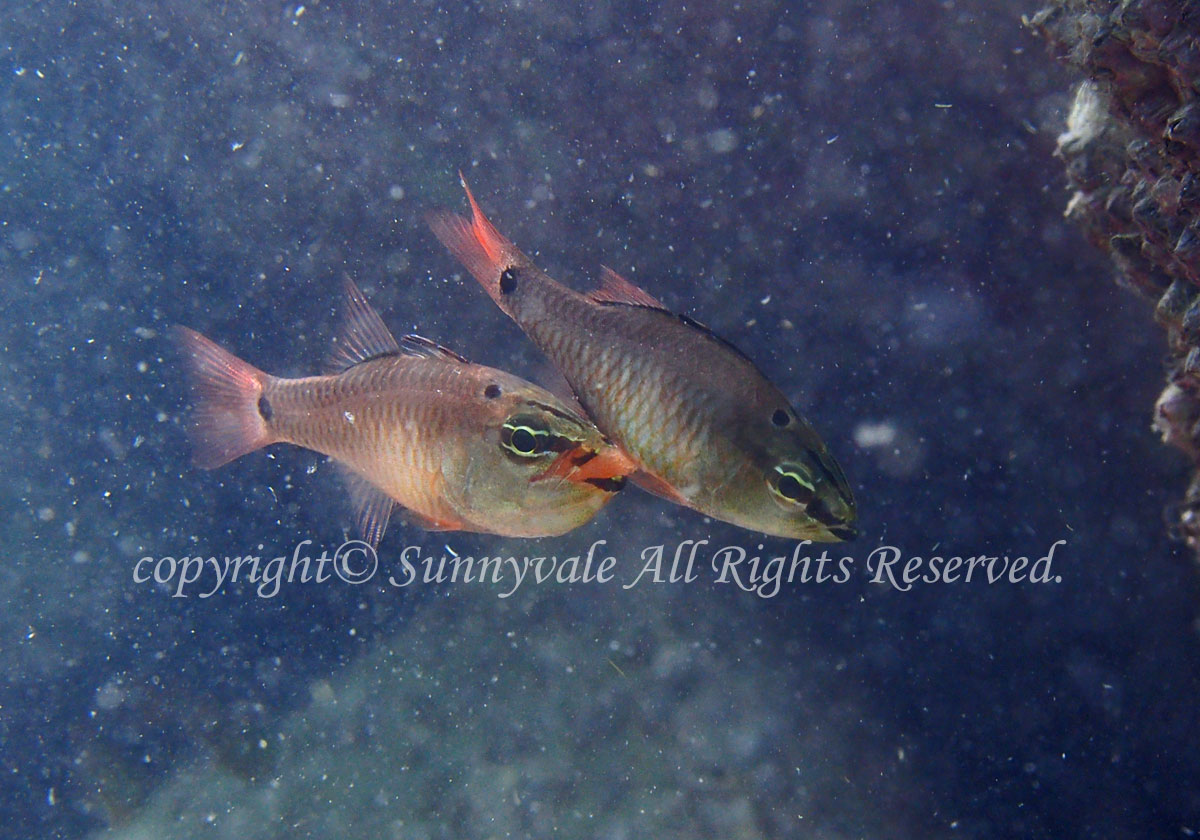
(372, 507)
(363, 335)
(724, 342)
(616, 289)
(416, 345)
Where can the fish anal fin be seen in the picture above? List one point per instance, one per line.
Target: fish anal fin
(653, 484)
(431, 524)
(363, 335)
(372, 507)
(616, 289)
(416, 345)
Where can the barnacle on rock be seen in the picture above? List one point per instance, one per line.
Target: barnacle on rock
(1132, 154)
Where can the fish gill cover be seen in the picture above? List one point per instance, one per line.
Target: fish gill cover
(862, 198)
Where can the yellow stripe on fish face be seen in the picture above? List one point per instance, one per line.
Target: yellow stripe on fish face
(791, 485)
(528, 436)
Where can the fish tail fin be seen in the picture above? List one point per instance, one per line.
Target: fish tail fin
(228, 418)
(482, 249)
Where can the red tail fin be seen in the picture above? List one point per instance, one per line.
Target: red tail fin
(481, 248)
(227, 418)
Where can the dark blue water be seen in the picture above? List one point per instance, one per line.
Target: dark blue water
(862, 198)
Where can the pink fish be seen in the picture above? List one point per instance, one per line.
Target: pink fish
(460, 446)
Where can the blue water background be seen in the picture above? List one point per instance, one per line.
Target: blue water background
(862, 197)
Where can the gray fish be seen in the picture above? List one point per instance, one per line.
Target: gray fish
(705, 427)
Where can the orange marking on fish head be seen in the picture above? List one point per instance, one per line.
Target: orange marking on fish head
(581, 464)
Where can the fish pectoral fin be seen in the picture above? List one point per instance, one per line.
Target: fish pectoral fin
(654, 484)
(616, 289)
(363, 335)
(372, 507)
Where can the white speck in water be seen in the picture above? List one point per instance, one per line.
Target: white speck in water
(111, 694)
(870, 435)
(722, 141)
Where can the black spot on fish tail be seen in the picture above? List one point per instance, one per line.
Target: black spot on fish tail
(264, 408)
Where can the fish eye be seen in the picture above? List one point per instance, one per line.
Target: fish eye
(527, 437)
(523, 441)
(780, 418)
(790, 484)
(492, 391)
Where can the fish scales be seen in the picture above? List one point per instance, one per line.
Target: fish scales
(460, 446)
(386, 418)
(704, 425)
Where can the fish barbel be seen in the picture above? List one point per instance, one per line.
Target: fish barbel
(707, 429)
(461, 446)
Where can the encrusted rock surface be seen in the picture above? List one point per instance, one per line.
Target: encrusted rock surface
(1132, 150)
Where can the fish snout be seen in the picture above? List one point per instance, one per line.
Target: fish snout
(845, 533)
(836, 511)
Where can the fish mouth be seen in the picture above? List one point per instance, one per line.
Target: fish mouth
(845, 533)
(605, 469)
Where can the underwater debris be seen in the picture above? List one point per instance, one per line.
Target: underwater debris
(1132, 154)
